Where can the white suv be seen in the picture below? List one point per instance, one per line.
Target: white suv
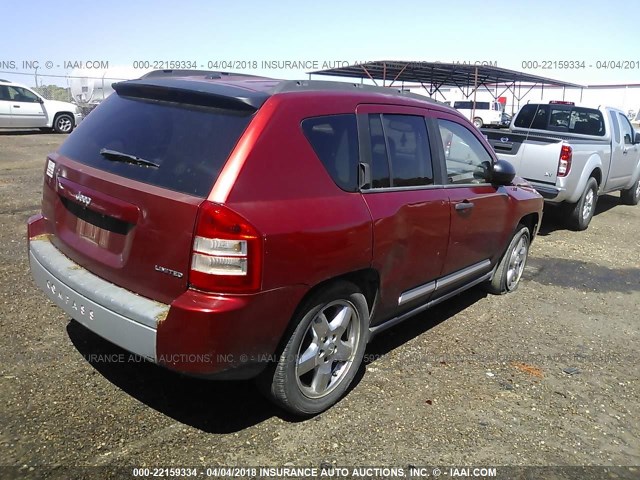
(21, 107)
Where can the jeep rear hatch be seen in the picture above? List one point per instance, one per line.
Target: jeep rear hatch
(122, 194)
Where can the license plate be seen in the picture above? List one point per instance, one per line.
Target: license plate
(97, 235)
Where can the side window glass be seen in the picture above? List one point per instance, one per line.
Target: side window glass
(616, 127)
(408, 150)
(19, 94)
(467, 160)
(627, 130)
(380, 177)
(4, 93)
(334, 138)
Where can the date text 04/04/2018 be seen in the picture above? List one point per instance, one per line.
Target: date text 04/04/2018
(580, 64)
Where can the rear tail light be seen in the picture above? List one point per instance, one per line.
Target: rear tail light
(564, 164)
(227, 252)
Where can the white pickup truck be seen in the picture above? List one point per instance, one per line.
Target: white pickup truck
(572, 154)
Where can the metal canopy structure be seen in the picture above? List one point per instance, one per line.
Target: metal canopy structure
(432, 76)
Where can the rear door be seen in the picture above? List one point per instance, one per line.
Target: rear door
(624, 154)
(26, 109)
(479, 210)
(133, 223)
(410, 210)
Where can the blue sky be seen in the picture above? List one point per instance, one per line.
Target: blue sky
(508, 33)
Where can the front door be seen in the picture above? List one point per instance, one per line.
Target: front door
(624, 154)
(478, 209)
(26, 109)
(5, 107)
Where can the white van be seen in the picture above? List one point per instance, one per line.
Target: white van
(485, 114)
(21, 107)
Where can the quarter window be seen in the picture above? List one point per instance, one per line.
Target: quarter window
(335, 140)
(467, 160)
(616, 127)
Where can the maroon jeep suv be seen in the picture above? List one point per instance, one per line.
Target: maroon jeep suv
(232, 226)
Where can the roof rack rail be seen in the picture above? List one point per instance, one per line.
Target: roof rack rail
(211, 74)
(327, 85)
(5, 81)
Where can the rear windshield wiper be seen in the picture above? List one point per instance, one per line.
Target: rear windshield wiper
(127, 158)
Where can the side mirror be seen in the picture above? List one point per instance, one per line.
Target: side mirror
(502, 173)
(637, 139)
(40, 100)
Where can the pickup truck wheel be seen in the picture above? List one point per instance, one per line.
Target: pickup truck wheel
(324, 352)
(63, 123)
(632, 195)
(581, 213)
(477, 122)
(509, 271)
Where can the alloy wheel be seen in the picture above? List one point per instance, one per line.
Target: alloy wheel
(328, 349)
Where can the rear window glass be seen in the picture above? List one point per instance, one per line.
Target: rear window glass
(190, 144)
(335, 140)
(559, 118)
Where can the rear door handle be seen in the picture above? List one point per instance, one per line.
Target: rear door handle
(465, 205)
(16, 106)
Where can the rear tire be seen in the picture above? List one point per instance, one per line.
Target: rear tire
(581, 213)
(477, 122)
(631, 196)
(63, 123)
(509, 271)
(323, 353)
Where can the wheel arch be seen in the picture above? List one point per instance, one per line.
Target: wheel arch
(531, 221)
(592, 169)
(366, 280)
(63, 112)
(597, 174)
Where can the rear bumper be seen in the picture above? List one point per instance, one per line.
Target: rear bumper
(120, 316)
(217, 336)
(548, 192)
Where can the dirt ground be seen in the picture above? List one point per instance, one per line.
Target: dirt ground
(479, 380)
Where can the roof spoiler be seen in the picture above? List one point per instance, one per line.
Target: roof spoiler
(184, 90)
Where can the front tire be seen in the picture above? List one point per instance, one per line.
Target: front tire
(509, 271)
(63, 123)
(323, 353)
(581, 213)
(477, 122)
(631, 196)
